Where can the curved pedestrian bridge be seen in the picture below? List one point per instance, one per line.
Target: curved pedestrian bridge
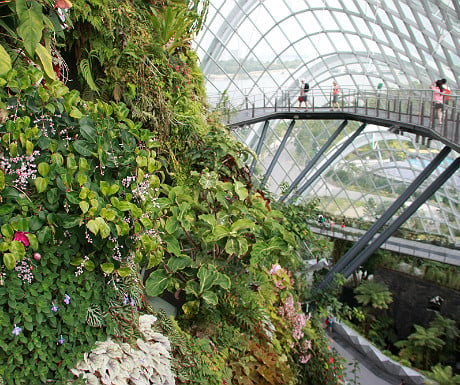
(403, 111)
(409, 111)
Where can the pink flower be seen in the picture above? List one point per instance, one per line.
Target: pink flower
(21, 236)
(305, 359)
(275, 269)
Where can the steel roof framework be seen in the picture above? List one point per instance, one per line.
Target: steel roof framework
(359, 43)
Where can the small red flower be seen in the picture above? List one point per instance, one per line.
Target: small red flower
(331, 360)
(21, 236)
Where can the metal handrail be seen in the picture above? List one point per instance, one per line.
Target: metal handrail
(414, 105)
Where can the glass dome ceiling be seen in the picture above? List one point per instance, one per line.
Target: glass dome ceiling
(252, 47)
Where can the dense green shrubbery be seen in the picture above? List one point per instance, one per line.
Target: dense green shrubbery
(68, 218)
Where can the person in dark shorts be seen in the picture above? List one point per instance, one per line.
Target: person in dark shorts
(304, 88)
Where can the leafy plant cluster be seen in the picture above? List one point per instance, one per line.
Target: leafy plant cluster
(74, 207)
(437, 344)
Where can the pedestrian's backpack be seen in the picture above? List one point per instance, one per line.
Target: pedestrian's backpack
(447, 95)
(306, 87)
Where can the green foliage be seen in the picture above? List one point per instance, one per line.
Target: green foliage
(441, 274)
(175, 25)
(436, 344)
(443, 375)
(373, 294)
(76, 212)
(30, 28)
(261, 366)
(208, 226)
(36, 354)
(79, 184)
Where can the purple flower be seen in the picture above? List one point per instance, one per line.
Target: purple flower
(16, 330)
(132, 302)
(61, 340)
(54, 308)
(125, 299)
(66, 299)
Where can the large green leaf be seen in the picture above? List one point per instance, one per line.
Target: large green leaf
(85, 70)
(41, 184)
(242, 224)
(209, 219)
(71, 221)
(223, 280)
(43, 168)
(93, 226)
(31, 26)
(87, 130)
(9, 260)
(7, 208)
(156, 283)
(210, 297)
(207, 274)
(5, 61)
(171, 225)
(219, 232)
(179, 263)
(237, 246)
(192, 287)
(172, 245)
(241, 190)
(107, 267)
(46, 60)
(104, 229)
(82, 147)
(44, 234)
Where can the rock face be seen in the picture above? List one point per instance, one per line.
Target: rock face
(415, 300)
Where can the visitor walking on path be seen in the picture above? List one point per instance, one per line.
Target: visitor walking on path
(438, 99)
(330, 321)
(335, 96)
(304, 88)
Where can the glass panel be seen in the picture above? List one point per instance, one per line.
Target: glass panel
(407, 12)
(344, 22)
(340, 42)
(362, 26)
(391, 5)
(401, 27)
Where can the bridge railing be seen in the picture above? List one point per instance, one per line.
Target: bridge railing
(414, 106)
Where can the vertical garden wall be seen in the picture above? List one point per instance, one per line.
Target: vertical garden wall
(118, 183)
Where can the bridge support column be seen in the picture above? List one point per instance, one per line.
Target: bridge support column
(352, 260)
(326, 164)
(313, 161)
(278, 153)
(259, 145)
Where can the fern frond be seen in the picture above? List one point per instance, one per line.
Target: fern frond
(85, 70)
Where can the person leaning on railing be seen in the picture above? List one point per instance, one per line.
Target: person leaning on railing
(438, 98)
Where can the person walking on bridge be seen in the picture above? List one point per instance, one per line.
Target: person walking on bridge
(438, 99)
(304, 88)
(335, 96)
